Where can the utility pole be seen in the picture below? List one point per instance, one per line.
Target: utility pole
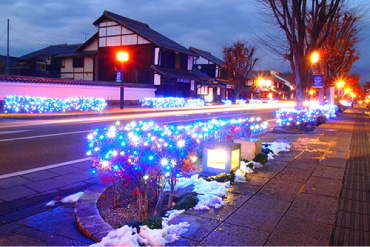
(7, 51)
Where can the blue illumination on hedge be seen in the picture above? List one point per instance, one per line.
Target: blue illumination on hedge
(169, 102)
(27, 104)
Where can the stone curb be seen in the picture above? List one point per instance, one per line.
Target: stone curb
(89, 222)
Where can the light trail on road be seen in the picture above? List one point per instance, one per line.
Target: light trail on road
(214, 109)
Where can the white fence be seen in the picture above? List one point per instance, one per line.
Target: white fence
(65, 91)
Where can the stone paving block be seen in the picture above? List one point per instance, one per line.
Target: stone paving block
(338, 154)
(5, 229)
(63, 170)
(259, 213)
(87, 172)
(294, 174)
(71, 178)
(350, 237)
(314, 207)
(329, 172)
(280, 189)
(40, 175)
(257, 179)
(25, 212)
(244, 189)
(45, 185)
(183, 242)
(13, 181)
(48, 238)
(58, 221)
(232, 235)
(304, 163)
(199, 227)
(312, 155)
(216, 214)
(74, 186)
(299, 232)
(16, 192)
(94, 180)
(323, 186)
(82, 165)
(236, 200)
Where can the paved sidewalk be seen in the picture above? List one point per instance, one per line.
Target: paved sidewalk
(309, 196)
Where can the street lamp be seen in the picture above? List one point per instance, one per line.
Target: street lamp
(122, 57)
(315, 57)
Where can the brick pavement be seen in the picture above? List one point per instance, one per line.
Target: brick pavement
(296, 199)
(352, 226)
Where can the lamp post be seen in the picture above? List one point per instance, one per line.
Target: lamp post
(122, 57)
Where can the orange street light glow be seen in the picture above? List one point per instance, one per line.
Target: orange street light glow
(312, 91)
(315, 57)
(122, 56)
(340, 84)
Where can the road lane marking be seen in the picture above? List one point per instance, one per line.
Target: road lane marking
(12, 132)
(41, 136)
(43, 168)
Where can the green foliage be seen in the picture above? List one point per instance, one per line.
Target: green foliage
(222, 177)
(261, 158)
(186, 201)
(153, 222)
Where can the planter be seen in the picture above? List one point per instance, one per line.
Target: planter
(249, 148)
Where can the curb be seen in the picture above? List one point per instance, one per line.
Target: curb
(89, 222)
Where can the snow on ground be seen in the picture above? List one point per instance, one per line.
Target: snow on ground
(210, 193)
(127, 236)
(68, 199)
(275, 147)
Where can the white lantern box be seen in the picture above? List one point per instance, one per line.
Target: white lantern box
(219, 157)
(249, 148)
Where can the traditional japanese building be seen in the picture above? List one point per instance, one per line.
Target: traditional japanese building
(269, 84)
(215, 88)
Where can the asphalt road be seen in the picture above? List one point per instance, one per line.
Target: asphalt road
(34, 144)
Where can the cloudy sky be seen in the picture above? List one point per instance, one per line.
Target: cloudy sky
(204, 24)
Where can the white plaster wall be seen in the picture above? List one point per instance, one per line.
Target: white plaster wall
(65, 91)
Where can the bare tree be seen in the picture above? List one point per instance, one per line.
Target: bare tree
(292, 16)
(239, 61)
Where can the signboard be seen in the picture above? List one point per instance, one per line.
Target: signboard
(317, 81)
(118, 76)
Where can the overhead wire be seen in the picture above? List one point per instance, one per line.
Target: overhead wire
(27, 36)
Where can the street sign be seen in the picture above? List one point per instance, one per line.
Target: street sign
(318, 81)
(118, 76)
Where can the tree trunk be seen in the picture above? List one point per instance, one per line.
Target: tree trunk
(172, 184)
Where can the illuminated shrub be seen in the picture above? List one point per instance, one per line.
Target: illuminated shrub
(145, 156)
(27, 104)
(168, 102)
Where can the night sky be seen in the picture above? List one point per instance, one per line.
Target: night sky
(204, 24)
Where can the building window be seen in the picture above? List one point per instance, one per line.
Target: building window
(40, 66)
(78, 62)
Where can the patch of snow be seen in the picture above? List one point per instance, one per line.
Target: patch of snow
(270, 156)
(72, 198)
(127, 236)
(240, 176)
(244, 167)
(210, 194)
(277, 147)
(51, 203)
(172, 214)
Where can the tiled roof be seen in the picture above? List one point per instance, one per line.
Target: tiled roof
(51, 50)
(78, 54)
(207, 55)
(44, 80)
(171, 73)
(145, 31)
